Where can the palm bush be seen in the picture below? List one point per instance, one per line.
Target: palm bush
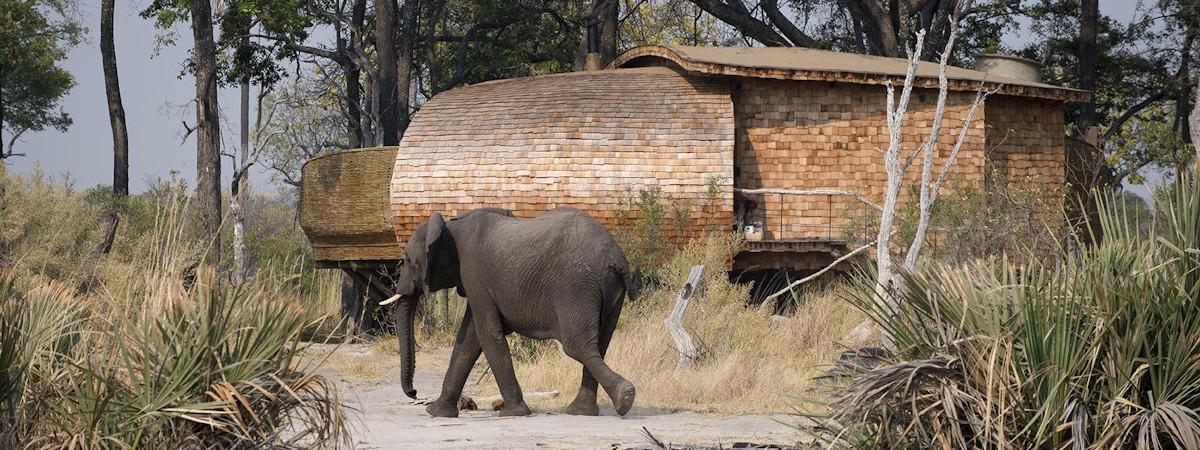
(1099, 351)
(218, 367)
(140, 349)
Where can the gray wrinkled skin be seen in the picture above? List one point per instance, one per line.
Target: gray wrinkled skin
(557, 276)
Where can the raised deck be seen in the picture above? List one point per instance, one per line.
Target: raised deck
(791, 254)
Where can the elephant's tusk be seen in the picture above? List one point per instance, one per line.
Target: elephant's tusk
(390, 300)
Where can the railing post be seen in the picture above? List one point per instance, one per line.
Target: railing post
(829, 199)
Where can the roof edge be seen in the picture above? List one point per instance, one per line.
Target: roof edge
(690, 65)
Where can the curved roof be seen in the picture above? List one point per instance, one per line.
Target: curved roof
(795, 63)
(578, 139)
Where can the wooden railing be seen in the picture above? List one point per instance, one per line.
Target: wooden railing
(829, 228)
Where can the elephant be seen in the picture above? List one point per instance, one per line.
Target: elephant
(560, 275)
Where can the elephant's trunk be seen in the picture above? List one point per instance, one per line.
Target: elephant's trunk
(405, 313)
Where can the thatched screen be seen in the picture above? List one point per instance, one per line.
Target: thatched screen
(344, 206)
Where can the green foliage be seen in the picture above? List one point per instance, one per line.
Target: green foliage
(669, 22)
(1141, 71)
(34, 37)
(496, 39)
(642, 238)
(1097, 352)
(643, 214)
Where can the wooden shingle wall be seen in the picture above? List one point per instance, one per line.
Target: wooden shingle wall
(822, 135)
(1027, 149)
(580, 139)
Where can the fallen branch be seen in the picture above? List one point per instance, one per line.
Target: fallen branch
(814, 276)
(674, 322)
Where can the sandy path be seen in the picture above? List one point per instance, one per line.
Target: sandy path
(387, 419)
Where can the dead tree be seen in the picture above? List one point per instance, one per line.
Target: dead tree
(1195, 129)
(887, 282)
(674, 322)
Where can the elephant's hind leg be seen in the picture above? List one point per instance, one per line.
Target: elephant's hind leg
(584, 346)
(462, 359)
(585, 401)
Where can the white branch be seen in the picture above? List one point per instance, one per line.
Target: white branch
(817, 274)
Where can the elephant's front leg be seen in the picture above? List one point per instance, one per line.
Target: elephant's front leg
(490, 330)
(462, 359)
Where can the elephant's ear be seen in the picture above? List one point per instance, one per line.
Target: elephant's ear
(434, 231)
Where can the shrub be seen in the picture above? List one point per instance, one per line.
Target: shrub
(971, 223)
(1096, 352)
(139, 348)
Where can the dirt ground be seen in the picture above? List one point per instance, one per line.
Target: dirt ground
(384, 418)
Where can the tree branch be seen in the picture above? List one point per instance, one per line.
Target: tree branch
(741, 19)
(781, 22)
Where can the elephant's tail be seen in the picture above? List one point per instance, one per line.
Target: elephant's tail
(633, 282)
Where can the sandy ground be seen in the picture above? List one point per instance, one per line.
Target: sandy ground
(386, 419)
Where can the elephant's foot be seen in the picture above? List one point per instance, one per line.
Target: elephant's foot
(622, 395)
(440, 408)
(583, 407)
(520, 409)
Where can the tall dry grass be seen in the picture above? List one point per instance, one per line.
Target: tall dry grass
(141, 348)
(749, 363)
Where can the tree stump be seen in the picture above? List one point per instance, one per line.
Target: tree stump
(674, 322)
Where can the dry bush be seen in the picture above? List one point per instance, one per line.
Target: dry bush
(749, 364)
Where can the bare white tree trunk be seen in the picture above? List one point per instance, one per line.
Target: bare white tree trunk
(888, 284)
(247, 156)
(895, 168)
(1194, 120)
(239, 190)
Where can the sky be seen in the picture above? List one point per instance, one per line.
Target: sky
(156, 101)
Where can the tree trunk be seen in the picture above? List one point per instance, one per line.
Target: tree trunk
(208, 130)
(385, 46)
(404, 64)
(1089, 14)
(608, 17)
(1194, 120)
(354, 134)
(116, 117)
(238, 191)
(441, 309)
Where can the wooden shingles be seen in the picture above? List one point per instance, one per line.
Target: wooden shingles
(581, 139)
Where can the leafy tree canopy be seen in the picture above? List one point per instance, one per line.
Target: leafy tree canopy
(35, 35)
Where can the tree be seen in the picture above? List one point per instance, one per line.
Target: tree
(203, 65)
(34, 36)
(1089, 15)
(678, 22)
(208, 127)
(385, 49)
(1143, 78)
(305, 115)
(1195, 125)
(405, 63)
(876, 27)
(116, 117)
